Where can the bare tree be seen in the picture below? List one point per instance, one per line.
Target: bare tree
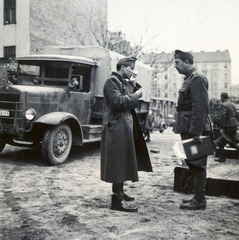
(114, 41)
(142, 44)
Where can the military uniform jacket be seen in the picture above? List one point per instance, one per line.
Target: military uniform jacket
(123, 149)
(228, 114)
(193, 104)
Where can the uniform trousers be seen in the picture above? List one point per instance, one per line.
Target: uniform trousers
(199, 171)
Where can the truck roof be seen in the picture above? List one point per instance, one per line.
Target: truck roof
(61, 58)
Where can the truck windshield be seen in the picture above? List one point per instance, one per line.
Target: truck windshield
(29, 73)
(29, 69)
(56, 73)
(57, 70)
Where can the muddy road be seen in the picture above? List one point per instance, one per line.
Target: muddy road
(70, 202)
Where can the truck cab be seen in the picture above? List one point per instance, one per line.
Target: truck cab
(55, 100)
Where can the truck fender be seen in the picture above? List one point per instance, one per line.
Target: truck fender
(56, 118)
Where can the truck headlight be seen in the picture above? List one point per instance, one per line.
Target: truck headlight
(30, 114)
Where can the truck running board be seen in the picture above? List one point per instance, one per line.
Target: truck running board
(92, 133)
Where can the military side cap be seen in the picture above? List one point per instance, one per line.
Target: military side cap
(127, 61)
(183, 55)
(224, 94)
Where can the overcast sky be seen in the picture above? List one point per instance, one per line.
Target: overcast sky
(190, 25)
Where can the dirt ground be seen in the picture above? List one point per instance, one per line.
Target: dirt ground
(70, 202)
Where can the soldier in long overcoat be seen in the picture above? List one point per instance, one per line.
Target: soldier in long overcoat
(192, 121)
(123, 149)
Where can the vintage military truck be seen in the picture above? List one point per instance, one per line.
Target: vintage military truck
(55, 99)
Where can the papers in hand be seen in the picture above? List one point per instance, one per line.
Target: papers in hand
(179, 150)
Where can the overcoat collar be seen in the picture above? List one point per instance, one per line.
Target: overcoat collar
(119, 77)
(189, 73)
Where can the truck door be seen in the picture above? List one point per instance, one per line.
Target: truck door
(80, 93)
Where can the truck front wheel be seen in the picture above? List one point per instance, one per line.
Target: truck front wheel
(56, 144)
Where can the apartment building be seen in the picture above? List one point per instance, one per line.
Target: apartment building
(28, 25)
(167, 81)
(215, 65)
(235, 92)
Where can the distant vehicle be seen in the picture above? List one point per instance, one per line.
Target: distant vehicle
(55, 99)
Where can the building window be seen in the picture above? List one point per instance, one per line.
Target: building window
(215, 84)
(10, 52)
(225, 85)
(9, 11)
(166, 95)
(226, 76)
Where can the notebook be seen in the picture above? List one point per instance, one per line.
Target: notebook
(188, 149)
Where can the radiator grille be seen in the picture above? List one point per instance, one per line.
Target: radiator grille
(10, 103)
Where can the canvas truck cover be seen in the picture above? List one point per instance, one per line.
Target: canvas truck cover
(106, 62)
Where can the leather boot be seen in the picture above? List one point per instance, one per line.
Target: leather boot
(221, 156)
(188, 200)
(200, 185)
(220, 159)
(194, 205)
(127, 198)
(118, 204)
(117, 188)
(199, 203)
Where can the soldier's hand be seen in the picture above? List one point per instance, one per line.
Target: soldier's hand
(139, 92)
(198, 139)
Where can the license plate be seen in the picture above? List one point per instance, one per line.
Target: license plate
(4, 113)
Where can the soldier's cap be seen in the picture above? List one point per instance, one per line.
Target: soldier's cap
(225, 95)
(183, 55)
(127, 61)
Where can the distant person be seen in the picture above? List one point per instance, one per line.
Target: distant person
(123, 149)
(148, 128)
(228, 124)
(192, 121)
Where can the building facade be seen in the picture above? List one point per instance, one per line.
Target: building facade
(29, 25)
(167, 81)
(235, 92)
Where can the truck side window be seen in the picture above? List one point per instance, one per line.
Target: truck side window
(82, 74)
(56, 73)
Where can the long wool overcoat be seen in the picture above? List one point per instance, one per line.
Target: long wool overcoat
(123, 149)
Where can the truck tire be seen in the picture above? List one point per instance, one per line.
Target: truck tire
(2, 145)
(56, 144)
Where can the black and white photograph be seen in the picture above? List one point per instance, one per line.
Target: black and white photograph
(119, 120)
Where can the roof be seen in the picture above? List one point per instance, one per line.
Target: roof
(61, 58)
(218, 56)
(202, 56)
